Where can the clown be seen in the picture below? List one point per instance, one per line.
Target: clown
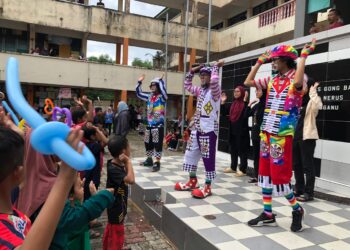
(284, 96)
(155, 120)
(203, 138)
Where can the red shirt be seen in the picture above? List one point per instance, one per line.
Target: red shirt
(336, 25)
(13, 229)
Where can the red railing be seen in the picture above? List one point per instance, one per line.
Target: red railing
(278, 13)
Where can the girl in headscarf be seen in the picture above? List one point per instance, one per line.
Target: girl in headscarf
(238, 130)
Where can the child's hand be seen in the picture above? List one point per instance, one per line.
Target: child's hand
(73, 140)
(92, 188)
(78, 101)
(111, 190)
(85, 99)
(124, 158)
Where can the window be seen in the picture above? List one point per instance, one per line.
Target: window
(264, 7)
(218, 26)
(237, 18)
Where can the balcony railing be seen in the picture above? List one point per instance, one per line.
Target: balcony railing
(280, 12)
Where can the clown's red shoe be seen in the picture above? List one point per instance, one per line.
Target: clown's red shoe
(190, 185)
(203, 192)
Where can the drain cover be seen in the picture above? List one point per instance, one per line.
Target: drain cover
(209, 217)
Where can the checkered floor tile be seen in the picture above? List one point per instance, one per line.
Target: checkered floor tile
(235, 201)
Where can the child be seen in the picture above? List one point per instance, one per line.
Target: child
(72, 231)
(15, 226)
(95, 141)
(79, 115)
(119, 174)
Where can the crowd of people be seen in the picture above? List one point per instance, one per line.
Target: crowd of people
(44, 203)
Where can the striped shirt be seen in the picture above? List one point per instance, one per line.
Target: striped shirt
(13, 229)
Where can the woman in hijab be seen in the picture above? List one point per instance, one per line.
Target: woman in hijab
(122, 119)
(238, 130)
(40, 175)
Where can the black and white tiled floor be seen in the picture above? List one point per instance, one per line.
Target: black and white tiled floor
(234, 202)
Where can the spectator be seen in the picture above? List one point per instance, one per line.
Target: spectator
(304, 144)
(334, 19)
(109, 120)
(121, 120)
(239, 131)
(314, 29)
(100, 4)
(99, 119)
(256, 110)
(133, 116)
(36, 52)
(120, 174)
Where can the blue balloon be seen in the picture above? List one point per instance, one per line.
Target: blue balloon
(10, 111)
(47, 137)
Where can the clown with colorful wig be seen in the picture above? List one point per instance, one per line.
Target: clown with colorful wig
(202, 143)
(283, 102)
(154, 132)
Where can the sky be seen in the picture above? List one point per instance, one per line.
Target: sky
(97, 48)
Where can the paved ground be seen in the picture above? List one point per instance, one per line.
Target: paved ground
(139, 233)
(222, 218)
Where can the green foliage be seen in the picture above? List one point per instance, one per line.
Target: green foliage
(105, 58)
(142, 64)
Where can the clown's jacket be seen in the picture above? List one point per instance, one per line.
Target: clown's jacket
(282, 105)
(208, 102)
(155, 104)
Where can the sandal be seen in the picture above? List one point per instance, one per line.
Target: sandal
(253, 180)
(96, 224)
(94, 234)
(305, 198)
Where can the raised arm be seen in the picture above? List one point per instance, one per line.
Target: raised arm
(194, 90)
(299, 74)
(214, 81)
(163, 89)
(139, 93)
(264, 58)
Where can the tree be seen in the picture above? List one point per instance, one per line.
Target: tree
(159, 60)
(104, 58)
(140, 63)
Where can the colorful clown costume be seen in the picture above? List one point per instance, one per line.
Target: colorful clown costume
(283, 102)
(202, 143)
(154, 132)
(278, 127)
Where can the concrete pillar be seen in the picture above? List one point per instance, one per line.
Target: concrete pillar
(190, 110)
(118, 53)
(300, 18)
(125, 50)
(250, 9)
(31, 37)
(180, 66)
(192, 57)
(116, 99)
(30, 95)
(124, 96)
(194, 13)
(84, 44)
(127, 6)
(120, 5)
